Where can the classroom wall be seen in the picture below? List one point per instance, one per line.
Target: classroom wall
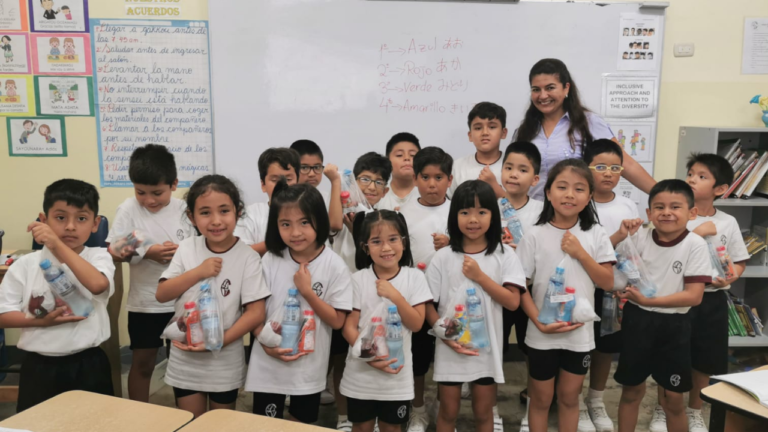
(705, 90)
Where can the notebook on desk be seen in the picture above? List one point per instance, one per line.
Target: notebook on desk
(755, 383)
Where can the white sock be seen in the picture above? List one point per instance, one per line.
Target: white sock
(421, 410)
(342, 418)
(594, 394)
(496, 410)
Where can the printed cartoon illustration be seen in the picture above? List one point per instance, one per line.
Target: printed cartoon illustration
(633, 143)
(49, 12)
(10, 88)
(69, 47)
(67, 13)
(5, 44)
(642, 144)
(56, 96)
(29, 129)
(622, 138)
(71, 98)
(55, 46)
(45, 131)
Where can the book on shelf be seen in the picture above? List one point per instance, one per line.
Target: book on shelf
(757, 174)
(735, 327)
(728, 147)
(754, 319)
(738, 182)
(755, 383)
(754, 243)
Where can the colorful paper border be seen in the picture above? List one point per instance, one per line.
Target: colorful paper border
(24, 17)
(26, 51)
(31, 102)
(86, 19)
(63, 136)
(86, 53)
(91, 96)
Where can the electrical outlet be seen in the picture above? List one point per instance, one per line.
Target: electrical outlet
(684, 50)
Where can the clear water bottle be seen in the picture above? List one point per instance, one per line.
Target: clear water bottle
(548, 312)
(628, 267)
(64, 289)
(292, 321)
(609, 307)
(349, 196)
(512, 223)
(476, 319)
(209, 318)
(395, 337)
(566, 307)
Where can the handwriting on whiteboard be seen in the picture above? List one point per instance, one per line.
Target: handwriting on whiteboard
(416, 74)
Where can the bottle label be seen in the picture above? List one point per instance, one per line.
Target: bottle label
(196, 333)
(562, 298)
(308, 343)
(62, 285)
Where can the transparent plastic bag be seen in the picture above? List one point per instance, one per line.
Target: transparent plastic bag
(62, 289)
(721, 261)
(127, 245)
(464, 319)
(371, 343)
(207, 313)
(271, 334)
(610, 323)
(631, 265)
(352, 198)
(177, 329)
(567, 299)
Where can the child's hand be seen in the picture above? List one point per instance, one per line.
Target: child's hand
(210, 268)
(633, 294)
(507, 239)
(719, 282)
(56, 317)
(440, 241)
(471, 269)
(487, 176)
(558, 327)
(332, 172)
(383, 365)
(161, 254)
(349, 220)
(44, 235)
(303, 280)
(282, 353)
(189, 348)
(386, 290)
(706, 229)
(459, 348)
(572, 246)
(630, 226)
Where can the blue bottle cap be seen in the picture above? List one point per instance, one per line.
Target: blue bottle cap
(45, 264)
(293, 292)
(205, 287)
(392, 309)
(560, 270)
(504, 201)
(471, 291)
(347, 172)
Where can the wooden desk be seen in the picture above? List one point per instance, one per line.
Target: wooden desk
(727, 397)
(235, 421)
(78, 411)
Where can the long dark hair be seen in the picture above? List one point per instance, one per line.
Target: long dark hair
(577, 113)
(587, 217)
(308, 200)
(463, 198)
(364, 224)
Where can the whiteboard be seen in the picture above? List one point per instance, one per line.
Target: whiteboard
(349, 74)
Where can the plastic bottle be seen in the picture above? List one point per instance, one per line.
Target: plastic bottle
(128, 243)
(307, 341)
(725, 262)
(379, 337)
(395, 337)
(460, 324)
(512, 224)
(476, 319)
(548, 312)
(209, 319)
(65, 290)
(291, 322)
(609, 307)
(620, 312)
(194, 327)
(421, 266)
(351, 191)
(566, 307)
(628, 267)
(346, 204)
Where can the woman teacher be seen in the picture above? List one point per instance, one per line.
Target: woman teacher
(559, 125)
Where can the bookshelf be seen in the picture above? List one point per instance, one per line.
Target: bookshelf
(753, 285)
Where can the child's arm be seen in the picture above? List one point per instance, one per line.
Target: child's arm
(90, 277)
(627, 228)
(691, 295)
(636, 174)
(487, 176)
(20, 320)
(335, 214)
(507, 295)
(412, 316)
(260, 248)
(252, 317)
(601, 274)
(171, 289)
(431, 314)
(329, 315)
(350, 331)
(533, 314)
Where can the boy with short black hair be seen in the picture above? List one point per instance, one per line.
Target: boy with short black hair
(659, 327)
(401, 149)
(710, 175)
(311, 171)
(63, 352)
(605, 159)
(157, 214)
(274, 163)
(487, 127)
(427, 219)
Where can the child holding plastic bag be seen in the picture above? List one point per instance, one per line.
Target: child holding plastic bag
(378, 383)
(297, 259)
(476, 259)
(567, 228)
(199, 376)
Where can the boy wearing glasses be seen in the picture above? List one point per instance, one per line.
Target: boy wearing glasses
(311, 171)
(605, 159)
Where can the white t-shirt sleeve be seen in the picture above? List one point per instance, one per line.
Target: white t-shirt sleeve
(12, 288)
(736, 247)
(512, 269)
(357, 290)
(435, 276)
(121, 226)
(340, 289)
(420, 292)
(526, 253)
(176, 268)
(699, 268)
(254, 286)
(603, 246)
(246, 227)
(102, 261)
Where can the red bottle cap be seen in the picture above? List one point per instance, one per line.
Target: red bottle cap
(720, 248)
(459, 308)
(570, 290)
(421, 266)
(309, 313)
(344, 195)
(190, 305)
(376, 319)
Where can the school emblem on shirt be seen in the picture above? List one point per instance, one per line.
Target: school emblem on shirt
(723, 239)
(677, 267)
(587, 360)
(401, 411)
(225, 287)
(271, 410)
(180, 234)
(674, 380)
(317, 287)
